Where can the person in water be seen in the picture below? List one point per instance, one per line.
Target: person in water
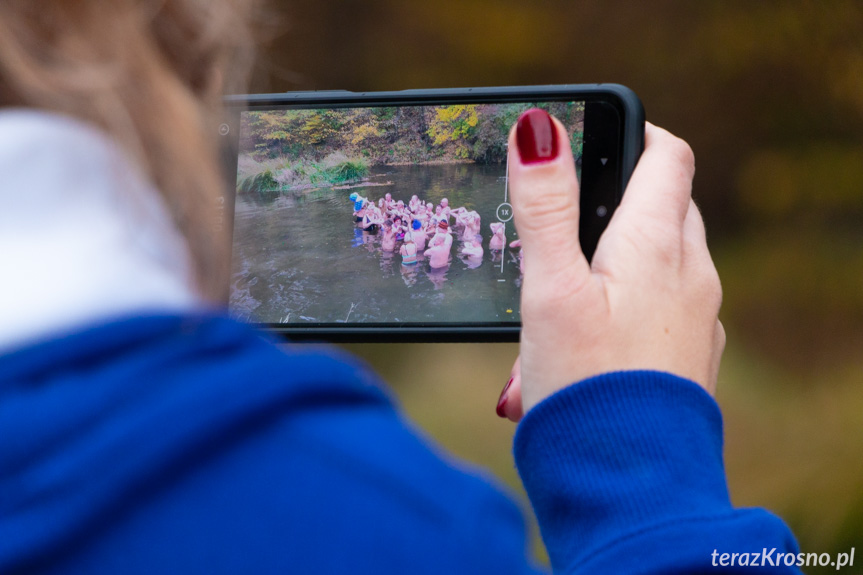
(359, 203)
(388, 242)
(408, 250)
(471, 222)
(419, 235)
(516, 244)
(399, 209)
(439, 216)
(429, 223)
(441, 234)
(440, 246)
(371, 219)
(471, 254)
(415, 203)
(498, 239)
(399, 229)
(444, 207)
(472, 249)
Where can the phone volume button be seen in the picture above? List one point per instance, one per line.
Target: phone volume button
(320, 93)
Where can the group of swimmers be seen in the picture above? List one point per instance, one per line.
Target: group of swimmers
(425, 229)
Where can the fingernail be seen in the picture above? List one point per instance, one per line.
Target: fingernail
(501, 402)
(536, 137)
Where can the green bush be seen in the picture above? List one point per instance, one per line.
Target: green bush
(262, 183)
(351, 170)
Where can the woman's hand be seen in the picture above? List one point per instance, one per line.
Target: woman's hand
(651, 296)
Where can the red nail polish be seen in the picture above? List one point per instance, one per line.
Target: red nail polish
(536, 137)
(501, 402)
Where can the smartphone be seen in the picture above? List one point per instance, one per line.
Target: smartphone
(386, 216)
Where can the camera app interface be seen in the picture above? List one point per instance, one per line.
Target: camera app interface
(380, 215)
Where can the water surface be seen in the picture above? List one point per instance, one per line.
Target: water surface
(299, 257)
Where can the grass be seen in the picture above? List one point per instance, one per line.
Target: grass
(262, 183)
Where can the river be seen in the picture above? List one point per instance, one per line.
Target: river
(300, 259)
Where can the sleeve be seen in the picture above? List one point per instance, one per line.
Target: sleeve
(626, 475)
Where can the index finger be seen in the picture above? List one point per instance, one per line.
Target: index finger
(661, 185)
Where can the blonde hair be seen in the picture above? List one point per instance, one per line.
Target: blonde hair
(151, 74)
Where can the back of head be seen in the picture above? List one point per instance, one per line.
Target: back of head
(150, 74)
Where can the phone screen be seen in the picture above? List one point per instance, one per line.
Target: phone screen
(383, 216)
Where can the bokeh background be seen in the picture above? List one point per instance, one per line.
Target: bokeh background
(770, 96)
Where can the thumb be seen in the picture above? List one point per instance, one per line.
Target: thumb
(545, 198)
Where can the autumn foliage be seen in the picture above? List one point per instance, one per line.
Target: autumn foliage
(284, 149)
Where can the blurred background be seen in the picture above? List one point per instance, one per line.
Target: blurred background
(770, 96)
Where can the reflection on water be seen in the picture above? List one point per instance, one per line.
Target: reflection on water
(299, 257)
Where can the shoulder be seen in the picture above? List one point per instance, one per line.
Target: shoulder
(195, 438)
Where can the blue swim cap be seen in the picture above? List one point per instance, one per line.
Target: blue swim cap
(416, 224)
(353, 197)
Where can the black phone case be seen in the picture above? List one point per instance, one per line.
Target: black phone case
(631, 146)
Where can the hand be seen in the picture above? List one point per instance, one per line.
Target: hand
(650, 298)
